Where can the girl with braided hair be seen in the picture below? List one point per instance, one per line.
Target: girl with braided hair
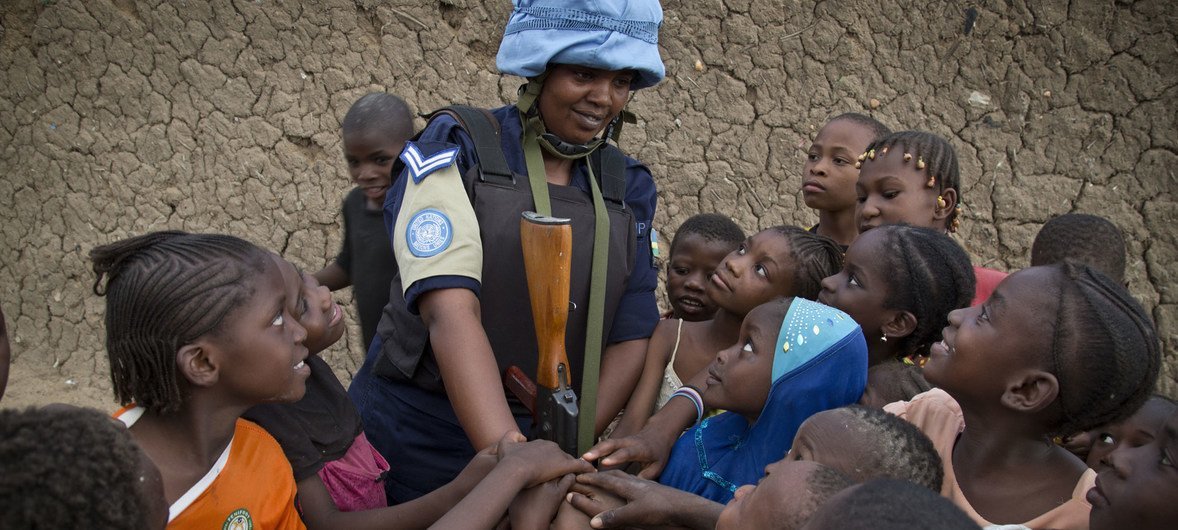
(775, 262)
(913, 177)
(899, 282)
(1055, 350)
(199, 328)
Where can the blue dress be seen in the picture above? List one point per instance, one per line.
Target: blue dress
(820, 363)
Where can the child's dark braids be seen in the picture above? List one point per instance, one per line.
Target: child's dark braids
(935, 157)
(1105, 350)
(878, 129)
(164, 290)
(815, 257)
(933, 277)
(712, 227)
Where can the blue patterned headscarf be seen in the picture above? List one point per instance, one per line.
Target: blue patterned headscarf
(820, 363)
(604, 34)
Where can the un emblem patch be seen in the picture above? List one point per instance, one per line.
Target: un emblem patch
(429, 233)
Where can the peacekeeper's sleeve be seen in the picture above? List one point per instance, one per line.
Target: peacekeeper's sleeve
(637, 313)
(434, 232)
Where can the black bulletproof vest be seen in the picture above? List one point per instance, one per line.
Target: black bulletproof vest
(499, 197)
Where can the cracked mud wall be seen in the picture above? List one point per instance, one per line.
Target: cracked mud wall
(118, 117)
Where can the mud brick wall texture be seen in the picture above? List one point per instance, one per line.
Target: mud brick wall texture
(123, 116)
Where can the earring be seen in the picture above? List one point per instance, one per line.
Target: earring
(940, 201)
(883, 337)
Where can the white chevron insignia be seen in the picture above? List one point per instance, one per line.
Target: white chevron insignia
(420, 167)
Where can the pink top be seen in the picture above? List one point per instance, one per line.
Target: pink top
(987, 280)
(937, 415)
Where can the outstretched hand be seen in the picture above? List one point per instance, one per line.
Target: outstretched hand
(648, 447)
(614, 499)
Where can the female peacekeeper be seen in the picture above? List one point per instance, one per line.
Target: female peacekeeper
(431, 389)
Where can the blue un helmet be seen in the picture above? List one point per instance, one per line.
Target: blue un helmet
(603, 34)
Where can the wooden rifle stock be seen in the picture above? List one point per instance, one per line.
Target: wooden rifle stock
(548, 249)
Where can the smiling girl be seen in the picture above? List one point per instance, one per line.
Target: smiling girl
(1054, 350)
(199, 328)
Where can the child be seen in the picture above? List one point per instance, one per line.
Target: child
(889, 504)
(867, 443)
(912, 177)
(779, 261)
(1054, 350)
(199, 328)
(1136, 430)
(321, 434)
(69, 467)
(337, 472)
(375, 130)
(829, 174)
(899, 283)
(1088, 239)
(793, 358)
(859, 442)
(784, 499)
(700, 243)
(1138, 488)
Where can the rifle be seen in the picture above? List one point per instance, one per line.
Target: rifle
(548, 249)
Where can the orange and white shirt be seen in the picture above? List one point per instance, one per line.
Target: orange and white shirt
(250, 486)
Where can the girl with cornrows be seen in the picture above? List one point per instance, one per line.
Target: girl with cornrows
(913, 177)
(899, 282)
(199, 328)
(1055, 350)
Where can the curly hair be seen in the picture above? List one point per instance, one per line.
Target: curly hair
(69, 467)
(900, 450)
(379, 112)
(890, 504)
(1088, 239)
(712, 227)
(164, 290)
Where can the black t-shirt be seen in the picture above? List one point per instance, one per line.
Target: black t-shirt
(367, 256)
(316, 429)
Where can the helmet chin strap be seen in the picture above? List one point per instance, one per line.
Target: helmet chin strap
(551, 143)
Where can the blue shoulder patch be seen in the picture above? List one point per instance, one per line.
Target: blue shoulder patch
(428, 233)
(421, 165)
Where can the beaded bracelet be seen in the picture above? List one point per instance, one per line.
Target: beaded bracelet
(691, 393)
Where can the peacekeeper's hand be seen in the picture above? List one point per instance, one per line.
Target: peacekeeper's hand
(614, 499)
(537, 461)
